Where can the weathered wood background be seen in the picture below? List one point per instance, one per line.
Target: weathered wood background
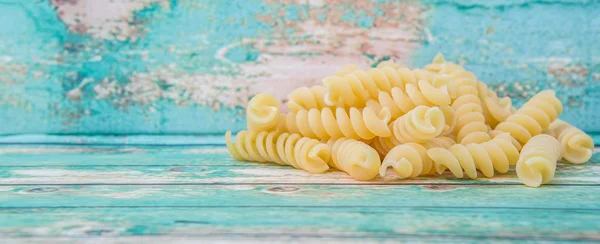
(99, 194)
(189, 67)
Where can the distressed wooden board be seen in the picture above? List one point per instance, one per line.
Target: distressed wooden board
(567, 174)
(189, 67)
(365, 222)
(121, 194)
(205, 166)
(294, 196)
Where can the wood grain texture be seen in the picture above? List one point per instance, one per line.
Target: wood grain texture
(367, 223)
(189, 67)
(214, 166)
(187, 194)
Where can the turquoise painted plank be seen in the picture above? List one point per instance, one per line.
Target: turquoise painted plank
(99, 140)
(567, 174)
(283, 238)
(118, 156)
(205, 165)
(371, 223)
(344, 197)
(188, 67)
(105, 155)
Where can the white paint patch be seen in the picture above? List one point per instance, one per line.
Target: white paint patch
(110, 20)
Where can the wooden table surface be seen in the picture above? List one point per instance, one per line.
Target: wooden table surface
(183, 194)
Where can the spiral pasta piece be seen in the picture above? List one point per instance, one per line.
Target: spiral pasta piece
(419, 125)
(282, 148)
(537, 163)
(497, 154)
(407, 160)
(470, 126)
(411, 159)
(463, 81)
(354, 157)
(531, 119)
(304, 98)
(495, 109)
(325, 124)
(354, 87)
(262, 113)
(496, 133)
(577, 146)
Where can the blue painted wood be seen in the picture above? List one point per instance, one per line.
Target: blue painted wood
(359, 223)
(161, 194)
(209, 166)
(188, 67)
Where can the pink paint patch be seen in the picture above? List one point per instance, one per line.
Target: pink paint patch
(323, 41)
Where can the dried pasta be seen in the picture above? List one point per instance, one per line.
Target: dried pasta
(282, 148)
(262, 113)
(464, 82)
(419, 125)
(354, 87)
(327, 123)
(537, 163)
(470, 126)
(495, 109)
(531, 119)
(354, 157)
(304, 98)
(577, 146)
(497, 154)
(411, 159)
(421, 122)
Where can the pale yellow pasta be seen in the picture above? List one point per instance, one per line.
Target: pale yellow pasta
(537, 162)
(577, 146)
(354, 157)
(495, 133)
(262, 113)
(384, 144)
(407, 160)
(497, 154)
(495, 109)
(282, 148)
(470, 126)
(531, 119)
(304, 98)
(442, 141)
(354, 88)
(463, 81)
(411, 159)
(407, 76)
(327, 123)
(419, 125)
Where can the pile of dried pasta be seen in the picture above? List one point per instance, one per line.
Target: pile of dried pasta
(419, 122)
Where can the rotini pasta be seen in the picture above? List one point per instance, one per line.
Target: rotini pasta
(282, 148)
(324, 124)
(462, 81)
(262, 113)
(304, 98)
(531, 119)
(355, 87)
(419, 125)
(497, 154)
(495, 109)
(356, 158)
(407, 160)
(470, 126)
(577, 146)
(537, 163)
(411, 159)
(412, 119)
